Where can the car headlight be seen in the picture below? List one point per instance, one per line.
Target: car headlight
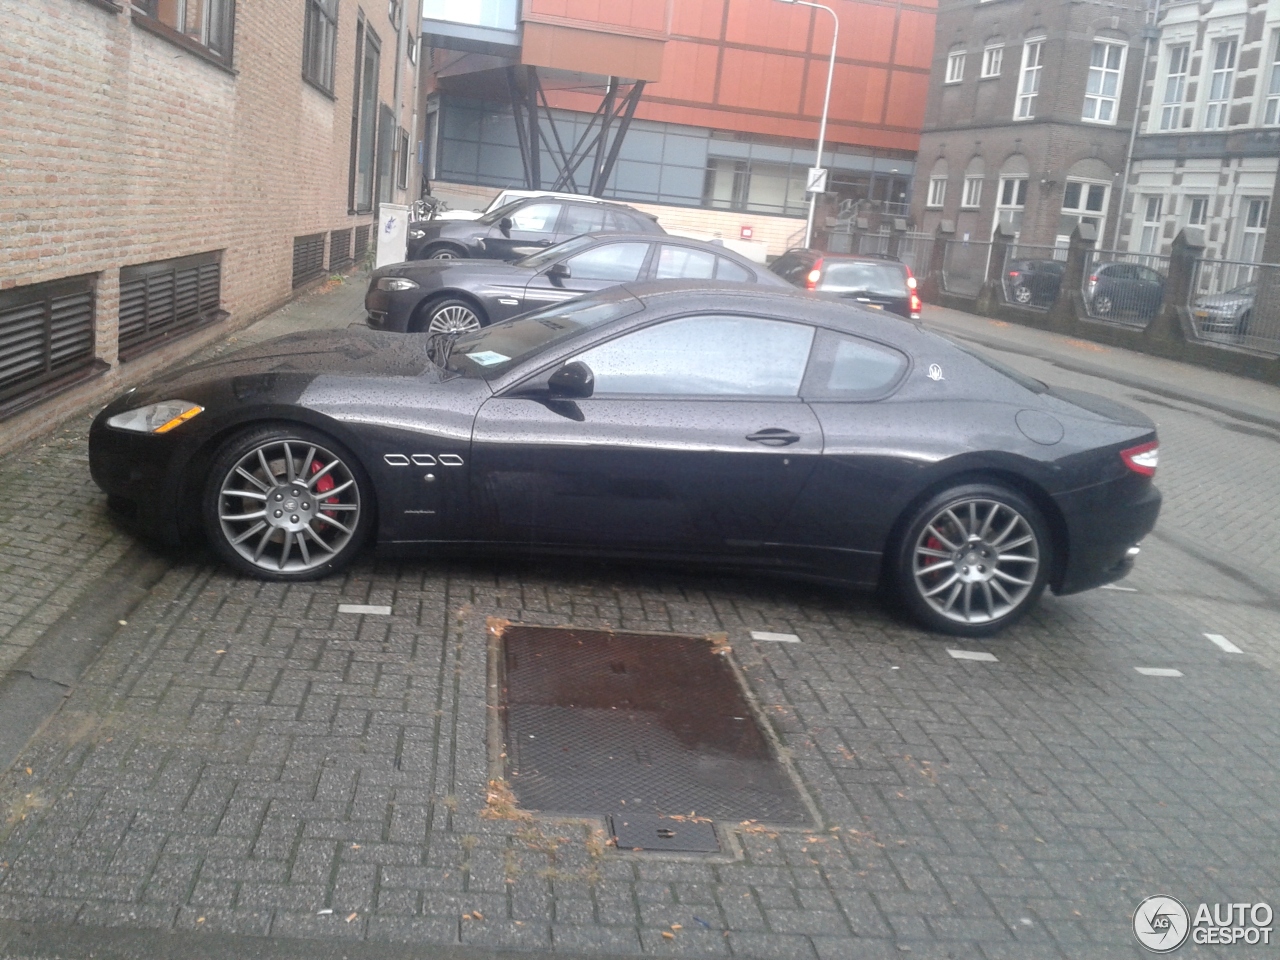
(156, 417)
(416, 233)
(396, 283)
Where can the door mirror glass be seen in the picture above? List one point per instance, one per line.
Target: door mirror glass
(559, 271)
(573, 381)
(505, 226)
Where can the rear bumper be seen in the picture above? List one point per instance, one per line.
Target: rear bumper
(1103, 523)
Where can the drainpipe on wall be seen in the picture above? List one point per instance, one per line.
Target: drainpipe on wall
(1150, 31)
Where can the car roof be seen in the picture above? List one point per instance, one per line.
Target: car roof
(578, 198)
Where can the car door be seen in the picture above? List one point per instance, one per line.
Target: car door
(695, 439)
(1151, 287)
(604, 265)
(532, 227)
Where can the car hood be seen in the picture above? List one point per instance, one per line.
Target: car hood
(1225, 301)
(459, 215)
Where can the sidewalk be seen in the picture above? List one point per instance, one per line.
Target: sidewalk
(1224, 392)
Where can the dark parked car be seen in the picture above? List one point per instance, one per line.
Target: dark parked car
(1227, 312)
(523, 227)
(874, 282)
(733, 425)
(452, 296)
(1033, 283)
(1115, 289)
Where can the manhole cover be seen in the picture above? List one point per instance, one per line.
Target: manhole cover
(635, 725)
(640, 831)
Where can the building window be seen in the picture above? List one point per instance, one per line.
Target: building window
(1254, 228)
(318, 43)
(46, 333)
(1220, 80)
(208, 23)
(955, 66)
(1175, 86)
(972, 195)
(1151, 213)
(1271, 117)
(937, 191)
(1102, 89)
(167, 297)
(1197, 211)
(992, 59)
(1011, 201)
(1083, 202)
(750, 185)
(1029, 79)
(402, 159)
(364, 121)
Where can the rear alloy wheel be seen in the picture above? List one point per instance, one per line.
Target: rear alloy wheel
(287, 503)
(1022, 294)
(1102, 305)
(973, 560)
(444, 253)
(452, 316)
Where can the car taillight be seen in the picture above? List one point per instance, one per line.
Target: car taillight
(1142, 458)
(811, 281)
(915, 304)
(1015, 274)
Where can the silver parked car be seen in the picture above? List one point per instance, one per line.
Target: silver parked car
(1226, 312)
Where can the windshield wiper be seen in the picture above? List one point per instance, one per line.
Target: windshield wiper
(439, 346)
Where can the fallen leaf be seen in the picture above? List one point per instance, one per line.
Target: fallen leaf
(352, 917)
(477, 914)
(125, 623)
(676, 926)
(668, 934)
(28, 771)
(198, 919)
(219, 651)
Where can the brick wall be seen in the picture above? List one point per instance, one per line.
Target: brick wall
(123, 147)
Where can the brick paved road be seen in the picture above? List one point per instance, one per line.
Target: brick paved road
(242, 756)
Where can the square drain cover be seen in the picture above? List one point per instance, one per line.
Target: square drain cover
(600, 723)
(645, 832)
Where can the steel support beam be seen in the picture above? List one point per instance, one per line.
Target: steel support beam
(629, 111)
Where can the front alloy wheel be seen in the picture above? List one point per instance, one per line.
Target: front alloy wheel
(453, 316)
(286, 505)
(974, 560)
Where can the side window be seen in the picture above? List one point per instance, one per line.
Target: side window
(674, 261)
(536, 218)
(704, 356)
(849, 368)
(728, 270)
(618, 262)
(582, 219)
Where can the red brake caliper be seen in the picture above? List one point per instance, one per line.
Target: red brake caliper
(933, 543)
(324, 485)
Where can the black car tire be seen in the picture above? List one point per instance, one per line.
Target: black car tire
(991, 548)
(1103, 305)
(443, 251)
(450, 315)
(314, 515)
(1022, 294)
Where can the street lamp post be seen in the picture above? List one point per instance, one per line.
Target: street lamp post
(826, 102)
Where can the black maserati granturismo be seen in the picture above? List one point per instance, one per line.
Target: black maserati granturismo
(739, 425)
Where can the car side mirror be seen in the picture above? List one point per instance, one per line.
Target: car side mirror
(505, 226)
(559, 271)
(573, 381)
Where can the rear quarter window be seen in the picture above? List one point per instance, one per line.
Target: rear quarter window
(851, 368)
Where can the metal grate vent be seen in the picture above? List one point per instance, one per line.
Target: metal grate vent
(308, 258)
(46, 331)
(362, 241)
(158, 300)
(340, 249)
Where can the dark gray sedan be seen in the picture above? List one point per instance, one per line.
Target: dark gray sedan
(454, 296)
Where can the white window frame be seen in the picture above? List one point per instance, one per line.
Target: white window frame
(1217, 109)
(1101, 102)
(992, 60)
(1177, 61)
(972, 195)
(1024, 105)
(955, 66)
(1152, 223)
(1081, 211)
(937, 192)
(1271, 105)
(1011, 202)
(1254, 212)
(1203, 202)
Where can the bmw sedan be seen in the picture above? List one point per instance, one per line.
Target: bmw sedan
(731, 425)
(453, 296)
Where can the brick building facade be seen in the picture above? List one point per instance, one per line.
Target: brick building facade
(1028, 118)
(1209, 133)
(175, 168)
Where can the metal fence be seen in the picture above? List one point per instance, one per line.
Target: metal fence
(916, 251)
(964, 267)
(1032, 275)
(1122, 287)
(1236, 303)
(875, 244)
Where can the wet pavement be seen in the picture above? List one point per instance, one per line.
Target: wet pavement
(246, 769)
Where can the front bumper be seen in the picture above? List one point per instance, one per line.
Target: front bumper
(1104, 523)
(391, 310)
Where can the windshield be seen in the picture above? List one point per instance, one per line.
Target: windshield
(856, 276)
(493, 216)
(495, 349)
(552, 254)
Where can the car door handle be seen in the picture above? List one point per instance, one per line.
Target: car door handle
(542, 243)
(774, 437)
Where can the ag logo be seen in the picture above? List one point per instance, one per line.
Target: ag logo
(935, 372)
(1161, 924)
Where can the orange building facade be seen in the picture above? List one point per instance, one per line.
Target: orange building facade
(726, 115)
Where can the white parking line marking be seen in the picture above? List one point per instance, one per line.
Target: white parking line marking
(1158, 672)
(370, 608)
(1221, 641)
(774, 637)
(1116, 586)
(973, 655)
